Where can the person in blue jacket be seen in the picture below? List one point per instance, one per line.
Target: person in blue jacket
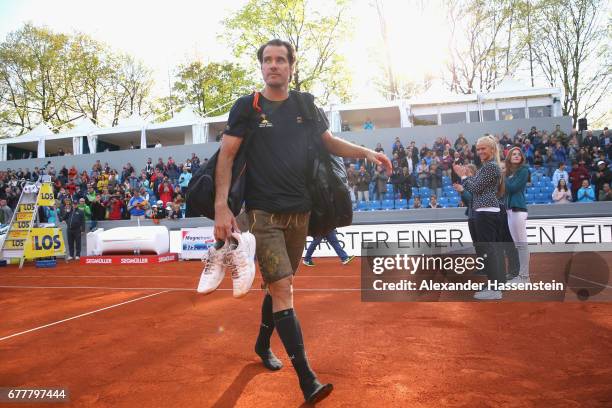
(517, 177)
(585, 194)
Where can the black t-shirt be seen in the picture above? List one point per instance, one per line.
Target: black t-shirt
(277, 160)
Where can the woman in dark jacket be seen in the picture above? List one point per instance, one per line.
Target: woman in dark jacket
(486, 186)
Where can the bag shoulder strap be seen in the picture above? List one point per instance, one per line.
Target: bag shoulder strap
(306, 105)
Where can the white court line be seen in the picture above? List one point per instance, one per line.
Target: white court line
(81, 315)
(166, 289)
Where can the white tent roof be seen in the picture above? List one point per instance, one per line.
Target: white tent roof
(510, 88)
(84, 127)
(216, 119)
(186, 117)
(365, 106)
(134, 123)
(437, 94)
(34, 135)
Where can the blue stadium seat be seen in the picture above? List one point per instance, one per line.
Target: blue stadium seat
(388, 196)
(376, 205)
(415, 191)
(387, 204)
(401, 204)
(443, 201)
(541, 198)
(532, 190)
(411, 203)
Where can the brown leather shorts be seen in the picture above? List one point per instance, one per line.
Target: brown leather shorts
(280, 242)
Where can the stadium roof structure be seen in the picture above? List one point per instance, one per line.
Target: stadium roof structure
(510, 88)
(41, 131)
(84, 127)
(186, 117)
(438, 94)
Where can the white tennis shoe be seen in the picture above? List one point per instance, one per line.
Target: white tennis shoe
(214, 271)
(487, 294)
(241, 262)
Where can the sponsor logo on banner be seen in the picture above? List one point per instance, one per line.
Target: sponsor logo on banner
(27, 207)
(128, 259)
(18, 234)
(24, 216)
(196, 241)
(45, 195)
(540, 233)
(14, 243)
(99, 261)
(134, 260)
(20, 225)
(44, 242)
(168, 258)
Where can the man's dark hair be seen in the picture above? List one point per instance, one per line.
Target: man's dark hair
(278, 43)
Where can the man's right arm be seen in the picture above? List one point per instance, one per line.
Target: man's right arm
(224, 219)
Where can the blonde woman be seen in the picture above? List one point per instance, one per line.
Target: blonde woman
(486, 186)
(517, 177)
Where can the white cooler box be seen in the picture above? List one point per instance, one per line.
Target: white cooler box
(127, 240)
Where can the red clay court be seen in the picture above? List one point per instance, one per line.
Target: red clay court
(142, 337)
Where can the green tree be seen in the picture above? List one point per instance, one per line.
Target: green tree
(571, 44)
(36, 72)
(482, 46)
(94, 68)
(58, 78)
(211, 87)
(315, 34)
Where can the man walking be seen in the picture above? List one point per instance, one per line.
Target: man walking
(75, 222)
(332, 239)
(277, 199)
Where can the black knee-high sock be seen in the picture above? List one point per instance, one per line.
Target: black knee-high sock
(288, 328)
(262, 346)
(267, 324)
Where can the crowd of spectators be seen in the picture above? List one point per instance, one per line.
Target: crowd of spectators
(426, 171)
(155, 191)
(565, 168)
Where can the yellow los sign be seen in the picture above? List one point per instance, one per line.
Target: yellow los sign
(14, 243)
(27, 207)
(45, 195)
(44, 242)
(18, 234)
(24, 216)
(20, 225)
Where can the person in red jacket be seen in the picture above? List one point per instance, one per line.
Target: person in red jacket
(165, 191)
(115, 208)
(579, 172)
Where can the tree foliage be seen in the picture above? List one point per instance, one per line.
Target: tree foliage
(483, 44)
(57, 78)
(571, 43)
(315, 33)
(211, 87)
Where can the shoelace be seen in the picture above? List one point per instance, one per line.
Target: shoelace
(234, 261)
(211, 259)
